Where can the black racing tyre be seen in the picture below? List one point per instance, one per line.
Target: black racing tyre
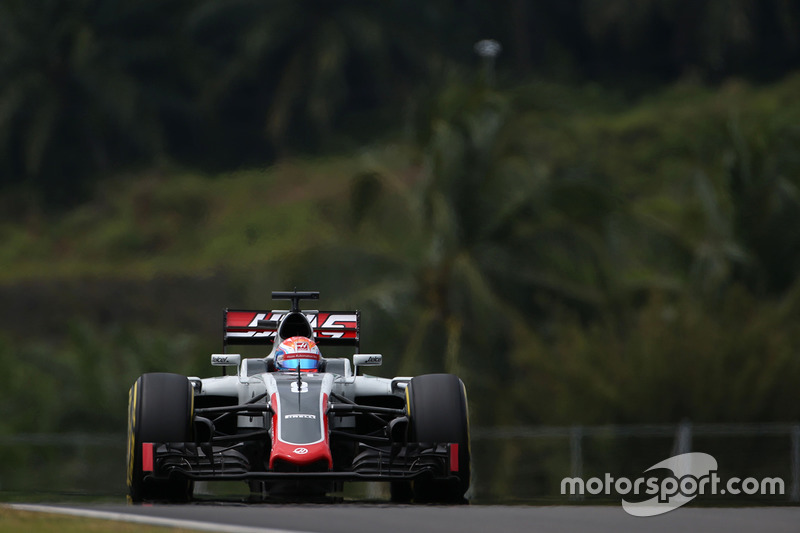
(160, 409)
(437, 411)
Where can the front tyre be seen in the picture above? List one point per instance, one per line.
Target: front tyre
(437, 411)
(160, 409)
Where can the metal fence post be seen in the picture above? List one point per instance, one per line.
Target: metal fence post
(576, 456)
(683, 438)
(794, 493)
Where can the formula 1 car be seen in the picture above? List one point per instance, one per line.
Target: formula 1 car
(297, 432)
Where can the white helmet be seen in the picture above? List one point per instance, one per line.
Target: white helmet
(297, 352)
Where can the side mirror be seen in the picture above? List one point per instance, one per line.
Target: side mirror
(366, 359)
(225, 359)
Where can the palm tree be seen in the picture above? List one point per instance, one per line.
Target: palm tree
(763, 190)
(707, 37)
(299, 64)
(83, 89)
(459, 250)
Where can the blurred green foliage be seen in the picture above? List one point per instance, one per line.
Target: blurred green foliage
(580, 260)
(602, 224)
(79, 381)
(93, 88)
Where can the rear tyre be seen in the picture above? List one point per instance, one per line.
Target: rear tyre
(437, 410)
(159, 410)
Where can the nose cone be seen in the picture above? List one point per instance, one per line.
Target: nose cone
(305, 457)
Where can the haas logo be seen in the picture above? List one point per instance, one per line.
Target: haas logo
(301, 451)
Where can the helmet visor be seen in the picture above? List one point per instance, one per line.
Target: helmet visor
(304, 363)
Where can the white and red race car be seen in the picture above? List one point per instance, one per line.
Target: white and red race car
(293, 432)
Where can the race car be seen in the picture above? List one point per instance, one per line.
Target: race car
(295, 423)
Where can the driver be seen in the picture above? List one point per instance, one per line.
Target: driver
(297, 352)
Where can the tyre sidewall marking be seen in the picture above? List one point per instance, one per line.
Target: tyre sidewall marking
(132, 404)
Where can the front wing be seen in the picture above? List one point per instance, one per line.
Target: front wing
(380, 457)
(219, 463)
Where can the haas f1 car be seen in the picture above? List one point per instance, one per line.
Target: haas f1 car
(294, 422)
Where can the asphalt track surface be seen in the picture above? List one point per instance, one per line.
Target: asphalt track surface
(385, 518)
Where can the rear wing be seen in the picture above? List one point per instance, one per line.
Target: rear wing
(254, 328)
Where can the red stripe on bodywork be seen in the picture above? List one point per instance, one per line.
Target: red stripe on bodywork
(454, 457)
(324, 410)
(147, 457)
(239, 319)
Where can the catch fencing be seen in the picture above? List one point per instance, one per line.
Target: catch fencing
(527, 463)
(522, 464)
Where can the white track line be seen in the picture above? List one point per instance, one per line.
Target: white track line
(147, 520)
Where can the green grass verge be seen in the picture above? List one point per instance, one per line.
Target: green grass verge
(17, 521)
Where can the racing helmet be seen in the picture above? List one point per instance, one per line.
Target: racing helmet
(297, 352)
